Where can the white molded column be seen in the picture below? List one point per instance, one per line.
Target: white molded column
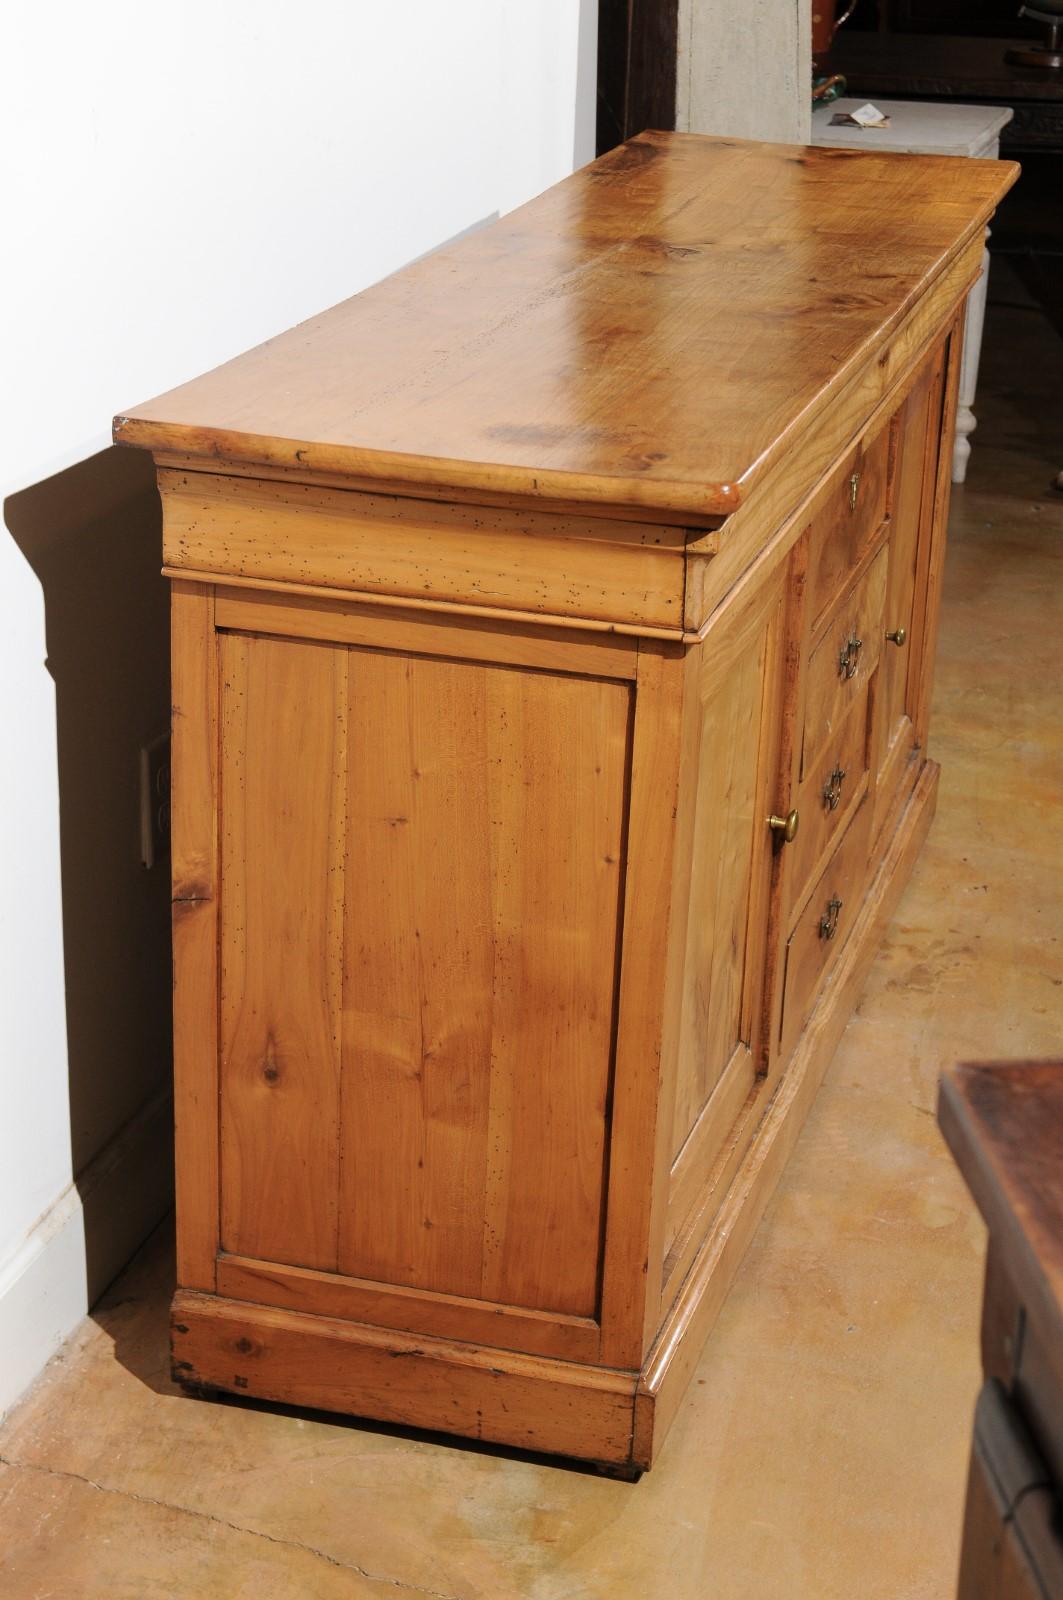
(745, 68)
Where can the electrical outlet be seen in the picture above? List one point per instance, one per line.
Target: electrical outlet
(155, 800)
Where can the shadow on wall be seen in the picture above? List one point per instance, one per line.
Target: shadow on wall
(92, 535)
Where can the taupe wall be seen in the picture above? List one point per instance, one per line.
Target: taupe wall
(744, 68)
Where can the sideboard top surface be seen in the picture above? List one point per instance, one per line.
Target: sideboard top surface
(652, 332)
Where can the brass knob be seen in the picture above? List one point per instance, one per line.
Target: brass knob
(786, 826)
(898, 636)
(854, 489)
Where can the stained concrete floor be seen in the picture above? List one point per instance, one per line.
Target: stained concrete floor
(821, 1449)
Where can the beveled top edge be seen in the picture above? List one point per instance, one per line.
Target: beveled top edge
(652, 333)
(701, 505)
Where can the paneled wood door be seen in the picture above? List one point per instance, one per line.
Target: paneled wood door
(418, 939)
(738, 724)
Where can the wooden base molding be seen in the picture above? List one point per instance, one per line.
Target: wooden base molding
(498, 1395)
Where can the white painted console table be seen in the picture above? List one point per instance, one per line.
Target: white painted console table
(932, 128)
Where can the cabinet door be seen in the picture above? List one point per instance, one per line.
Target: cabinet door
(420, 866)
(737, 721)
(417, 927)
(897, 682)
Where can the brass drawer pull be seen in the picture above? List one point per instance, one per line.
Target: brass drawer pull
(898, 636)
(849, 656)
(854, 485)
(828, 923)
(785, 826)
(832, 789)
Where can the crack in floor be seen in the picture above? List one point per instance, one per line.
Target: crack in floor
(223, 1522)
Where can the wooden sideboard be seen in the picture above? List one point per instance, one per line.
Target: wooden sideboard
(1004, 1124)
(521, 606)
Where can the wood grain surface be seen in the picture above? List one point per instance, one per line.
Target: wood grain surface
(1003, 1121)
(501, 993)
(898, 676)
(657, 330)
(484, 858)
(595, 567)
(849, 521)
(420, 1381)
(282, 840)
(422, 861)
(835, 902)
(194, 886)
(856, 627)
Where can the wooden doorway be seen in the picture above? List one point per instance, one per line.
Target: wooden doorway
(637, 51)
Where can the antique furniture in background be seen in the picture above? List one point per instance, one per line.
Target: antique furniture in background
(553, 634)
(912, 66)
(637, 61)
(827, 17)
(964, 18)
(942, 129)
(1004, 1124)
(1047, 54)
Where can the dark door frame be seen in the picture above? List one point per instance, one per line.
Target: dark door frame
(637, 54)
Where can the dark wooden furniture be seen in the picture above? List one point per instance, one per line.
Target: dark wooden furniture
(910, 66)
(962, 17)
(638, 43)
(1004, 1125)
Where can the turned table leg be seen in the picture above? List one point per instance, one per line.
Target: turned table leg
(972, 349)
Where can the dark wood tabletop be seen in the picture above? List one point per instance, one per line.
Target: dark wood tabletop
(1003, 1122)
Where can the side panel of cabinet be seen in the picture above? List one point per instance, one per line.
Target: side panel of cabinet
(739, 709)
(420, 865)
(896, 684)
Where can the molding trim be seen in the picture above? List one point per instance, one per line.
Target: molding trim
(81, 1242)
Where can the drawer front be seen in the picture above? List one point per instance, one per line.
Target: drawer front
(842, 662)
(823, 926)
(832, 788)
(847, 524)
(266, 533)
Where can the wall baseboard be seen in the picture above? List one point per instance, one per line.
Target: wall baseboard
(81, 1242)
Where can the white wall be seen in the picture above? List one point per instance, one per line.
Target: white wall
(179, 184)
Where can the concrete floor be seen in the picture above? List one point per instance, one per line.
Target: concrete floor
(821, 1451)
